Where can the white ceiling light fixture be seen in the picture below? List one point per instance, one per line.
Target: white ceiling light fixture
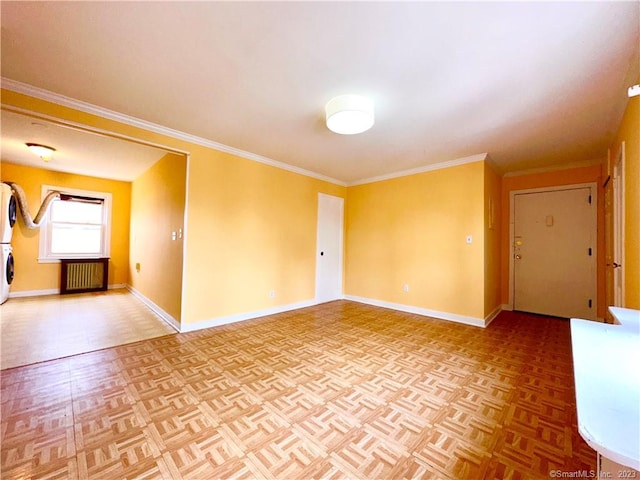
(349, 114)
(43, 151)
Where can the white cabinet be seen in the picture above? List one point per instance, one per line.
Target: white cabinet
(605, 367)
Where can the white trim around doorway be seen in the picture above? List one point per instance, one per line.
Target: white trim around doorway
(512, 194)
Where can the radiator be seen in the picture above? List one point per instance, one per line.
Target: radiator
(84, 275)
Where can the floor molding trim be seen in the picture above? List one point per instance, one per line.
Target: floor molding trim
(155, 308)
(54, 291)
(34, 293)
(240, 317)
(452, 317)
(492, 316)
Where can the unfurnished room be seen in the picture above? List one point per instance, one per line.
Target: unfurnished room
(320, 240)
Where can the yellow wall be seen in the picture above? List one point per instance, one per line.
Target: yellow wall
(33, 276)
(629, 132)
(157, 210)
(412, 230)
(492, 240)
(250, 228)
(551, 179)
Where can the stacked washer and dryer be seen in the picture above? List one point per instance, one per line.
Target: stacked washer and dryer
(8, 216)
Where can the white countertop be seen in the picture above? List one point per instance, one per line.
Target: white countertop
(606, 366)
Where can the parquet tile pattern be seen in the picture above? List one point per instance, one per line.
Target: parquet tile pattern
(340, 390)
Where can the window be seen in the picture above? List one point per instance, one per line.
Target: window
(77, 226)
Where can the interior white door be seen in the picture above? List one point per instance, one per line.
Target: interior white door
(329, 248)
(554, 253)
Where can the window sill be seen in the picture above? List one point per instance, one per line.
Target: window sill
(48, 260)
(71, 257)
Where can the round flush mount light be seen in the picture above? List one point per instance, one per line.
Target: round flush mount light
(349, 114)
(43, 151)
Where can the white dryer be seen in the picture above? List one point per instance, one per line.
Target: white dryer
(7, 271)
(8, 212)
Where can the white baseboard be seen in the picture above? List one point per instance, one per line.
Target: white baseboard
(34, 293)
(156, 309)
(240, 317)
(452, 317)
(54, 291)
(492, 316)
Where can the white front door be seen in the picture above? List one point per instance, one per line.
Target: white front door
(554, 253)
(329, 248)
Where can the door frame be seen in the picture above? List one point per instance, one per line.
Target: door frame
(177, 324)
(618, 200)
(556, 188)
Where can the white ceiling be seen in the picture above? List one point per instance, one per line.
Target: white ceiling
(533, 84)
(76, 151)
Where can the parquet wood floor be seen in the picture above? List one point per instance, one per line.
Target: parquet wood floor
(340, 390)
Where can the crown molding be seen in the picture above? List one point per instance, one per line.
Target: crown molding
(427, 168)
(89, 108)
(556, 168)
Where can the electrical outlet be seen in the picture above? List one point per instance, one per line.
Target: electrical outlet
(405, 287)
(272, 294)
(469, 239)
(137, 266)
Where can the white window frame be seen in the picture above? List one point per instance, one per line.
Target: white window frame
(45, 255)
